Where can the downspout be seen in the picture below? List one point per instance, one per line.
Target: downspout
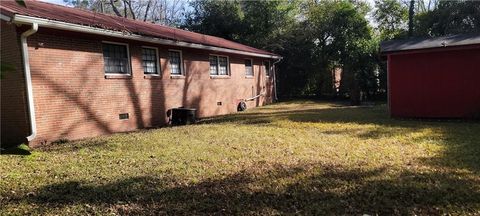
(28, 80)
(274, 77)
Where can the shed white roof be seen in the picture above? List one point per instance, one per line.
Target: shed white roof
(427, 43)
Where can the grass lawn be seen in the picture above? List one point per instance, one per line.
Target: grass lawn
(299, 157)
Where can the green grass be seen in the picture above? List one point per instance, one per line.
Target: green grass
(300, 157)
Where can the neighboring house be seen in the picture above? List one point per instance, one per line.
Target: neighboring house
(434, 78)
(83, 72)
(336, 79)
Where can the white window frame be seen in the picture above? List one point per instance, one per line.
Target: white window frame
(129, 63)
(182, 69)
(269, 67)
(158, 61)
(218, 66)
(253, 68)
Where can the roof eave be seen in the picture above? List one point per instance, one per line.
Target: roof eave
(445, 42)
(430, 49)
(22, 19)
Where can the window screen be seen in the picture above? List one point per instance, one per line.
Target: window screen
(175, 62)
(218, 65)
(213, 65)
(266, 65)
(222, 66)
(149, 61)
(248, 67)
(115, 58)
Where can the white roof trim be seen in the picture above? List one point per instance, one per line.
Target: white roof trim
(22, 19)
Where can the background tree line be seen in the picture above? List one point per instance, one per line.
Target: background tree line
(314, 37)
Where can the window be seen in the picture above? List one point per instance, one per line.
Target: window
(266, 67)
(150, 60)
(213, 65)
(175, 62)
(219, 65)
(248, 67)
(115, 58)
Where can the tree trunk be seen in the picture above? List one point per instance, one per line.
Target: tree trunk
(129, 3)
(124, 9)
(411, 14)
(115, 8)
(354, 91)
(146, 10)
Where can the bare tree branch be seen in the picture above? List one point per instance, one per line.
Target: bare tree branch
(124, 9)
(146, 10)
(115, 9)
(129, 3)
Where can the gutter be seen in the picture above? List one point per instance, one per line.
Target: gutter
(22, 19)
(28, 80)
(274, 77)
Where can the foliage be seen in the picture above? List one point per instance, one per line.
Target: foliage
(21, 3)
(451, 17)
(257, 23)
(266, 22)
(432, 18)
(343, 37)
(391, 18)
(298, 157)
(297, 66)
(218, 18)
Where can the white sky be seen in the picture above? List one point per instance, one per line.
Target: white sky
(60, 2)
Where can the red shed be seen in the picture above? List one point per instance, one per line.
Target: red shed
(434, 78)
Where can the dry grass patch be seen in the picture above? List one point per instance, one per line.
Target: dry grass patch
(300, 157)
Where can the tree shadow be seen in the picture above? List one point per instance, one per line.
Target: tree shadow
(78, 145)
(16, 150)
(459, 139)
(300, 189)
(87, 97)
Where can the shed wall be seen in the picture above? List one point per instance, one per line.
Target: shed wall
(435, 84)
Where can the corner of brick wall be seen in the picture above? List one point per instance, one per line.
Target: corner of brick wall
(14, 123)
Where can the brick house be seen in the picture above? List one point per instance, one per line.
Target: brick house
(77, 71)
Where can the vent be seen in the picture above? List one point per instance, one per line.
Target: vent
(219, 103)
(122, 116)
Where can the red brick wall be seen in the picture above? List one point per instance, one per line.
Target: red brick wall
(14, 121)
(74, 99)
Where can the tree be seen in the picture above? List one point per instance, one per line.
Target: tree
(215, 17)
(265, 22)
(167, 12)
(450, 17)
(296, 75)
(342, 37)
(391, 18)
(411, 14)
